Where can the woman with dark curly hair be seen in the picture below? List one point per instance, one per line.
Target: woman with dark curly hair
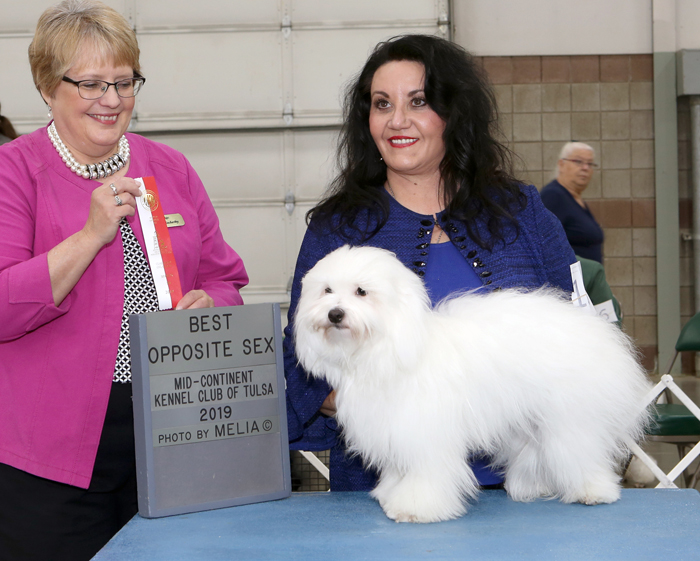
(423, 176)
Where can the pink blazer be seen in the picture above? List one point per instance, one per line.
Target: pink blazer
(56, 363)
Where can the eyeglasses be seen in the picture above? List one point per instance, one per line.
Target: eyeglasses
(581, 163)
(95, 89)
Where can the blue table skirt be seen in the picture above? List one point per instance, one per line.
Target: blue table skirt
(651, 524)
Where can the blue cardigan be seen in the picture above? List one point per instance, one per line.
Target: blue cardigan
(539, 254)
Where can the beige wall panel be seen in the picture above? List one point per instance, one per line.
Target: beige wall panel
(18, 96)
(21, 16)
(304, 11)
(553, 27)
(234, 166)
(314, 162)
(325, 60)
(687, 24)
(258, 234)
(228, 67)
(186, 13)
(210, 77)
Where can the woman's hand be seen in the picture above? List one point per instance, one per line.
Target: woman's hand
(195, 299)
(328, 405)
(106, 211)
(70, 258)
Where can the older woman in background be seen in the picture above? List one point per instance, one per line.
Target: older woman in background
(72, 270)
(422, 176)
(564, 197)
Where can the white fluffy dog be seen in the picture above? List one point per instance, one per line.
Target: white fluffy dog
(547, 391)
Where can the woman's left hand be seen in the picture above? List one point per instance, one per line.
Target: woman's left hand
(195, 299)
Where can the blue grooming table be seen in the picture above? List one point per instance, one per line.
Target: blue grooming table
(645, 524)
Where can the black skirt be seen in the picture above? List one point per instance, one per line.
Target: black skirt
(42, 520)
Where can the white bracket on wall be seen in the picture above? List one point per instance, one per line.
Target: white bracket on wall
(289, 202)
(666, 480)
(288, 114)
(286, 26)
(444, 24)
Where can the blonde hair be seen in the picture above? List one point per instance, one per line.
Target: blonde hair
(65, 29)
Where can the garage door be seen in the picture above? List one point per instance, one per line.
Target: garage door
(249, 91)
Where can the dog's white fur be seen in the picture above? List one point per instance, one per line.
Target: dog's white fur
(547, 391)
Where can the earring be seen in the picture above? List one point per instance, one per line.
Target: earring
(50, 114)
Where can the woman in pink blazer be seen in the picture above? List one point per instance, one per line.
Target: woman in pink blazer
(72, 270)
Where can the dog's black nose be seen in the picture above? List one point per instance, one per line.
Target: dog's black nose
(336, 315)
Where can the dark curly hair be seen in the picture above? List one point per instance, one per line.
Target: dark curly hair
(476, 169)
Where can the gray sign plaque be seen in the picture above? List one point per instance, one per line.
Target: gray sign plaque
(209, 409)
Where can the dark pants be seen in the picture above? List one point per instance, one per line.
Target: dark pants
(42, 520)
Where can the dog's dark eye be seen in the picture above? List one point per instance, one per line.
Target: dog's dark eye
(329, 290)
(361, 291)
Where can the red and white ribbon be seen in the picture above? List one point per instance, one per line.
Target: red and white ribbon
(158, 245)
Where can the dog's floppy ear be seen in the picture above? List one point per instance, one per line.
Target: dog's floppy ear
(407, 316)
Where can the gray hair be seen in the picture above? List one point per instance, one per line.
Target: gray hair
(569, 147)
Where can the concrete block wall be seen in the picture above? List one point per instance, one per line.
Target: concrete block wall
(607, 102)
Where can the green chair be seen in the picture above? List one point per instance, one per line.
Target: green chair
(673, 423)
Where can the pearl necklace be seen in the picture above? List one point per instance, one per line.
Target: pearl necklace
(91, 171)
(391, 192)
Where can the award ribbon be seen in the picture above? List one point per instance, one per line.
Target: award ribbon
(158, 245)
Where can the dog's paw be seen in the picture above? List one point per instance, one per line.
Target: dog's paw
(526, 491)
(599, 492)
(599, 499)
(417, 517)
(404, 517)
(524, 497)
(398, 511)
(413, 500)
(638, 474)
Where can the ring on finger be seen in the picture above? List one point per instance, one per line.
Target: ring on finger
(118, 200)
(113, 187)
